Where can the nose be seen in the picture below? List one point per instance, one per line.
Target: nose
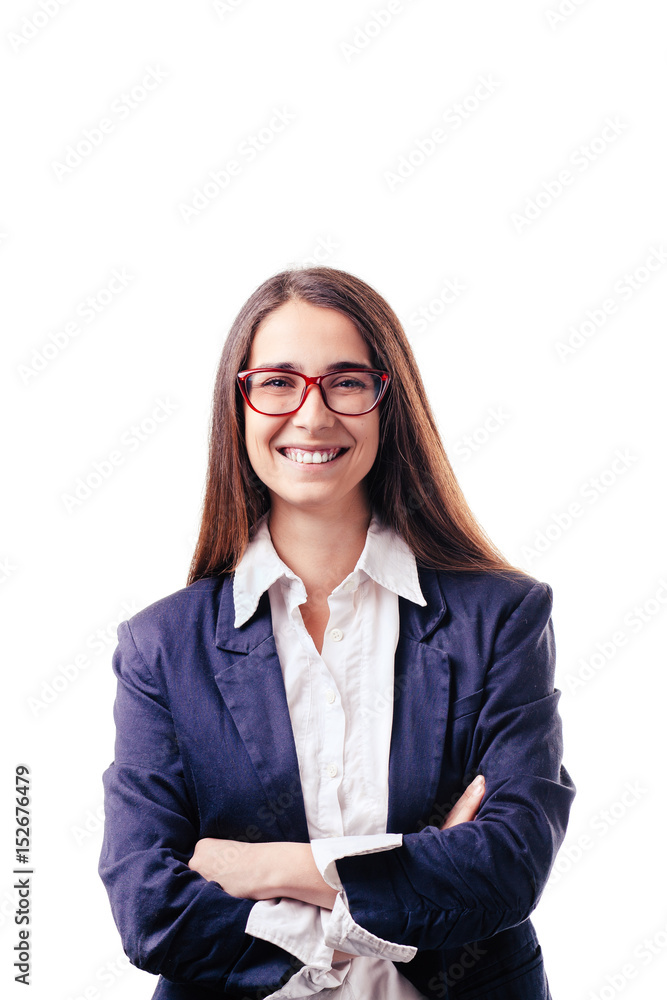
(312, 412)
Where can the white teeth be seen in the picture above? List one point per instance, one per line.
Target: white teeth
(310, 457)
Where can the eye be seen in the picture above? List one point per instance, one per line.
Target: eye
(350, 382)
(276, 382)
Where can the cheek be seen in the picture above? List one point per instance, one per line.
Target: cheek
(371, 441)
(252, 441)
(258, 436)
(256, 450)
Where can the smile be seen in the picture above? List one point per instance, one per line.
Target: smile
(312, 457)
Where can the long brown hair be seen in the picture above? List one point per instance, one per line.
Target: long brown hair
(411, 486)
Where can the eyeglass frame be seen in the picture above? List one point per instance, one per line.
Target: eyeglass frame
(313, 380)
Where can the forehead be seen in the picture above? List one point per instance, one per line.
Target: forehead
(307, 335)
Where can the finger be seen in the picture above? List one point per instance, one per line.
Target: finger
(467, 806)
(341, 956)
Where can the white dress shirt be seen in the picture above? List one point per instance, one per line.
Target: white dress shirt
(341, 708)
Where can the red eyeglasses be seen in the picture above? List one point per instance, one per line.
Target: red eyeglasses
(279, 392)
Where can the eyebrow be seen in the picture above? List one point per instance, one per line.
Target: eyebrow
(336, 366)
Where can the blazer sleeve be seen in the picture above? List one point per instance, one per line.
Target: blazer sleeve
(446, 888)
(171, 920)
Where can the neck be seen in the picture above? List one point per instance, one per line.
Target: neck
(321, 546)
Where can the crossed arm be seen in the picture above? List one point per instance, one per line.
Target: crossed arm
(273, 870)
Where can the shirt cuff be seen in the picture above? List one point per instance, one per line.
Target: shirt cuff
(297, 927)
(327, 850)
(294, 926)
(341, 931)
(308, 982)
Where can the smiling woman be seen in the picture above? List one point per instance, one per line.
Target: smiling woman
(338, 756)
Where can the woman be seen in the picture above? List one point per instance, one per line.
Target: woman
(351, 651)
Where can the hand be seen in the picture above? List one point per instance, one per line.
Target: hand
(252, 871)
(262, 871)
(341, 956)
(242, 869)
(466, 807)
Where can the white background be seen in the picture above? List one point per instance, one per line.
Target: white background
(361, 97)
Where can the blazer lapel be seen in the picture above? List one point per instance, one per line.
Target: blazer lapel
(249, 677)
(421, 700)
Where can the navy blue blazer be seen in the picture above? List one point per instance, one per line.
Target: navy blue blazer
(204, 748)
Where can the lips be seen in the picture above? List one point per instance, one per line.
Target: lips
(312, 456)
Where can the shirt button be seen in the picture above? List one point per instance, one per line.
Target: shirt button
(336, 634)
(348, 585)
(332, 770)
(330, 695)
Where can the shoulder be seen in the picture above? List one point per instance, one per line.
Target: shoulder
(188, 615)
(493, 619)
(492, 594)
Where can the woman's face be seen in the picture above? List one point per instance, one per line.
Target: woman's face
(313, 340)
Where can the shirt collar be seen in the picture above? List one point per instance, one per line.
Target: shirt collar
(386, 558)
